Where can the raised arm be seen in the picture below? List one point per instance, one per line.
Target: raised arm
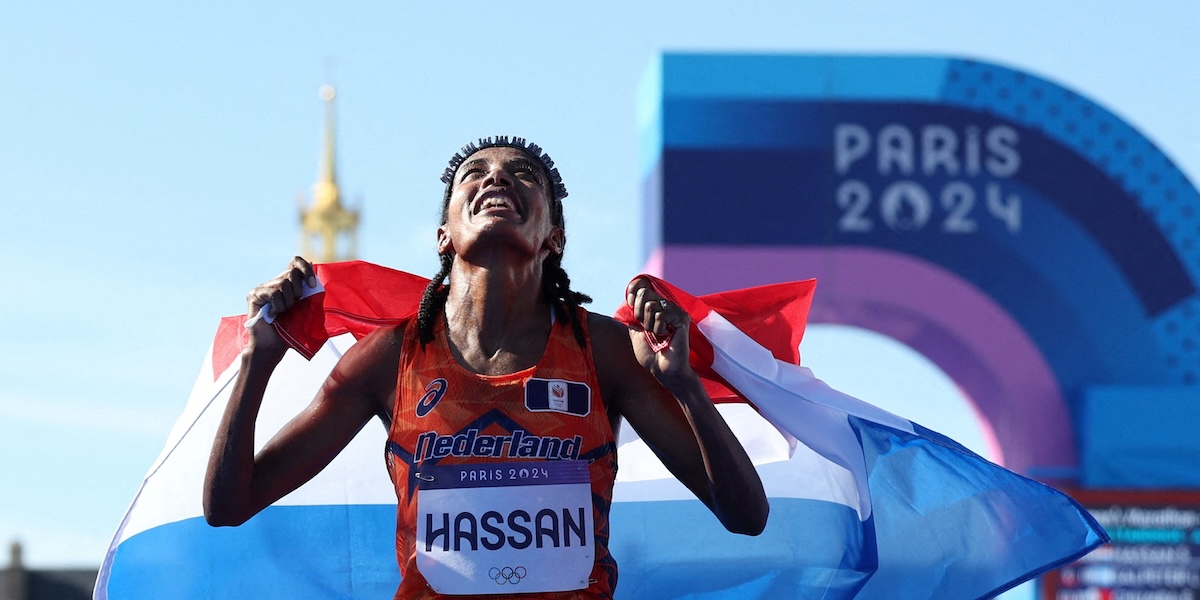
(239, 484)
(662, 398)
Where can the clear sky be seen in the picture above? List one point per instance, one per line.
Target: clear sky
(151, 154)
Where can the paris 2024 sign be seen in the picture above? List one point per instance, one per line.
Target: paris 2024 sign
(1026, 240)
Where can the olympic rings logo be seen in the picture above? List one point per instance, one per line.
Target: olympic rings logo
(507, 575)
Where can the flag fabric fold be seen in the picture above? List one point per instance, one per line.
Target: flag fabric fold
(936, 520)
(868, 505)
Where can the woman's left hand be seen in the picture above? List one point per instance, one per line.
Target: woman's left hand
(667, 322)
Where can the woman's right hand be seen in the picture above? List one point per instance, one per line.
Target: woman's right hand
(280, 294)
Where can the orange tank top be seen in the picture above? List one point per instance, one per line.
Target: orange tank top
(494, 474)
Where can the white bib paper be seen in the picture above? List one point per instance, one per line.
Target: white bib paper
(505, 528)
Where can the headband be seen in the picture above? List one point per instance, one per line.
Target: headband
(560, 190)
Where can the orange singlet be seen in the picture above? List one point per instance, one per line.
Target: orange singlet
(504, 482)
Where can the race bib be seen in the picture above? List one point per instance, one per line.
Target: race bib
(505, 528)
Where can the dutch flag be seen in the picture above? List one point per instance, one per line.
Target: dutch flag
(864, 504)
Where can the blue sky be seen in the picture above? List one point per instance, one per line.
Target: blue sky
(151, 154)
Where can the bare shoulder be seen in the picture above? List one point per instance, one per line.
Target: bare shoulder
(373, 351)
(610, 341)
(604, 329)
(369, 370)
(621, 376)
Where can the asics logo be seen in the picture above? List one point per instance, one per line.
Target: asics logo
(433, 394)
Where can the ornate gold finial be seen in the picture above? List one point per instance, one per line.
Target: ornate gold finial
(326, 219)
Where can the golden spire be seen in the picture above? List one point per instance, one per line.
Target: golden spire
(327, 219)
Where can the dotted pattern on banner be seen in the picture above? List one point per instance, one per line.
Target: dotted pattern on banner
(1179, 325)
(1125, 155)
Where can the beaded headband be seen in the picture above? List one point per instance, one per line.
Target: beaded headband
(560, 190)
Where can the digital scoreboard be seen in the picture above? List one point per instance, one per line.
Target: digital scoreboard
(1154, 553)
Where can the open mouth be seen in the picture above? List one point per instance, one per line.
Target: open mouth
(495, 202)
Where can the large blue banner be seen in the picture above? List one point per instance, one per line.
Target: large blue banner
(1025, 239)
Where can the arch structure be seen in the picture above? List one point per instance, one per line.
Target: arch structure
(1026, 240)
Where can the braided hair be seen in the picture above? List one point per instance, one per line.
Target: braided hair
(556, 285)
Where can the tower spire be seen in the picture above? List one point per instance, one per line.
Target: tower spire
(326, 219)
(325, 192)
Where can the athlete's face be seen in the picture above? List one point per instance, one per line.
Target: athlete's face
(500, 194)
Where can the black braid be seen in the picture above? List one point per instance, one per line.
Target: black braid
(433, 300)
(556, 284)
(556, 290)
